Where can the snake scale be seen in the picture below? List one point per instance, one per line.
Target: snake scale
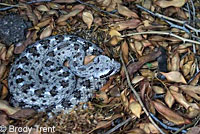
(38, 78)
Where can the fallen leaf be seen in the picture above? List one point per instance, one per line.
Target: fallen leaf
(169, 114)
(174, 3)
(194, 130)
(136, 131)
(186, 68)
(10, 51)
(105, 124)
(124, 99)
(192, 91)
(7, 109)
(64, 1)
(42, 8)
(44, 23)
(180, 99)
(23, 113)
(124, 49)
(174, 76)
(158, 90)
(175, 61)
(2, 70)
(136, 109)
(137, 79)
(46, 32)
(3, 119)
(169, 99)
(148, 128)
(129, 24)
(87, 18)
(76, 9)
(114, 37)
(4, 92)
(134, 67)
(126, 12)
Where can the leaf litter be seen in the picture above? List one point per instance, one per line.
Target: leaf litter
(160, 48)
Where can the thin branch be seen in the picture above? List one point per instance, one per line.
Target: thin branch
(118, 126)
(137, 96)
(165, 126)
(162, 33)
(168, 18)
(97, 9)
(18, 5)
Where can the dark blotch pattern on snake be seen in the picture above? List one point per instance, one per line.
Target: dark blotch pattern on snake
(38, 79)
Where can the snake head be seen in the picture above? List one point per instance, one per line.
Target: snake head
(105, 67)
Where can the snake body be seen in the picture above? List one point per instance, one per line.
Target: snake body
(39, 80)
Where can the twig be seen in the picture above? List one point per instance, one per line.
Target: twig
(194, 20)
(118, 126)
(165, 126)
(169, 18)
(97, 9)
(18, 5)
(162, 33)
(137, 96)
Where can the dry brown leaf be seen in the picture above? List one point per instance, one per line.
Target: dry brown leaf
(137, 79)
(103, 96)
(193, 69)
(42, 8)
(124, 99)
(174, 76)
(134, 67)
(126, 12)
(3, 120)
(87, 18)
(54, 5)
(148, 128)
(192, 91)
(186, 68)
(76, 9)
(136, 109)
(114, 37)
(23, 113)
(193, 111)
(124, 49)
(2, 70)
(46, 32)
(175, 61)
(174, 3)
(174, 88)
(194, 130)
(136, 131)
(4, 92)
(2, 51)
(139, 47)
(169, 114)
(64, 1)
(180, 99)
(129, 24)
(169, 99)
(104, 3)
(147, 73)
(105, 124)
(44, 23)
(10, 51)
(111, 6)
(7, 109)
(158, 90)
